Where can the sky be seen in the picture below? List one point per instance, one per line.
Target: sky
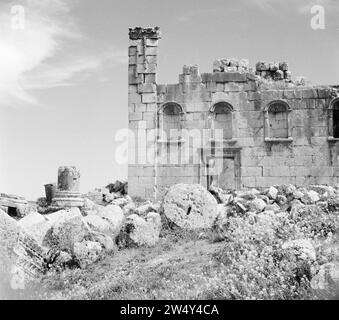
(63, 72)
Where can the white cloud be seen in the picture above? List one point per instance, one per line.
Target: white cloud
(30, 58)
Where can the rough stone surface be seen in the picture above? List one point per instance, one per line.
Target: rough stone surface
(258, 205)
(21, 257)
(327, 278)
(272, 193)
(68, 227)
(304, 248)
(137, 231)
(98, 224)
(190, 206)
(113, 215)
(310, 197)
(87, 252)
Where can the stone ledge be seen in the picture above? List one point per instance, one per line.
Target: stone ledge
(290, 139)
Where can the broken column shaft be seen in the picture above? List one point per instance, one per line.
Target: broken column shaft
(67, 193)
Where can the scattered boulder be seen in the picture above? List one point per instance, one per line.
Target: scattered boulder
(137, 231)
(257, 205)
(272, 207)
(114, 216)
(304, 248)
(21, 257)
(248, 195)
(144, 209)
(281, 200)
(310, 197)
(68, 227)
(190, 206)
(327, 279)
(87, 252)
(98, 224)
(272, 193)
(37, 225)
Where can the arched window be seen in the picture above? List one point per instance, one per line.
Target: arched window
(334, 119)
(222, 121)
(170, 117)
(277, 120)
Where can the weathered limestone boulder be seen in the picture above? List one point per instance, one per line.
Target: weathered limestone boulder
(248, 195)
(298, 194)
(190, 206)
(304, 248)
(281, 200)
(321, 190)
(87, 252)
(68, 227)
(144, 209)
(36, 225)
(271, 192)
(98, 224)
(272, 207)
(257, 205)
(113, 215)
(105, 240)
(327, 279)
(21, 257)
(310, 197)
(265, 198)
(296, 205)
(286, 189)
(137, 231)
(122, 202)
(89, 205)
(129, 208)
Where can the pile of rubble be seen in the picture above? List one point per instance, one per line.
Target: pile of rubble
(232, 65)
(273, 70)
(109, 220)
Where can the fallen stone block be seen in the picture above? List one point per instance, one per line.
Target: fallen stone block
(67, 228)
(257, 205)
(310, 197)
(137, 231)
(304, 248)
(111, 214)
(189, 206)
(87, 252)
(327, 279)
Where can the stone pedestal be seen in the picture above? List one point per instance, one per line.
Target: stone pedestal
(67, 193)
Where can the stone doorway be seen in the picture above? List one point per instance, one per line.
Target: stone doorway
(221, 173)
(221, 167)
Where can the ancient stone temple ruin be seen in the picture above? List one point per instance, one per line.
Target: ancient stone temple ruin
(235, 127)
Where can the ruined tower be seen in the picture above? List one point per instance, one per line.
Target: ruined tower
(142, 106)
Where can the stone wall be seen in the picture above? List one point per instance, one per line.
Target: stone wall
(267, 146)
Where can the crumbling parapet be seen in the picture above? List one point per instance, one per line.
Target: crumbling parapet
(67, 193)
